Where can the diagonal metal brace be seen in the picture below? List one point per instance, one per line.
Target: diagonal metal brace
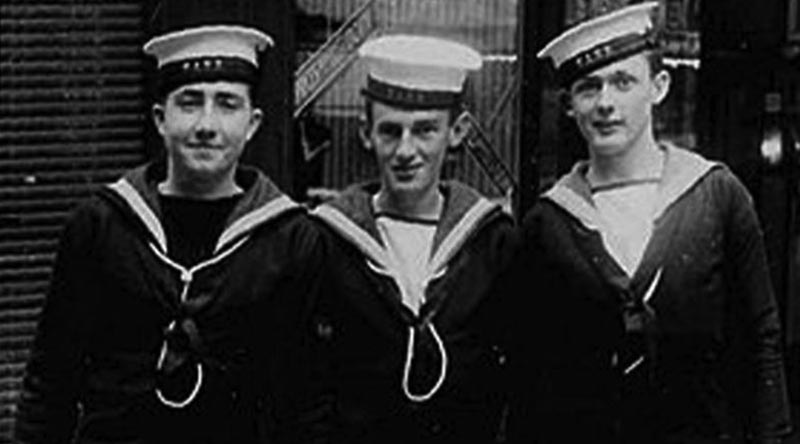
(331, 59)
(480, 147)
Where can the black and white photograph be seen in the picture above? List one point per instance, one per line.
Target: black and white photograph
(400, 221)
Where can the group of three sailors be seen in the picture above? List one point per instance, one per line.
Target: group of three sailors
(193, 301)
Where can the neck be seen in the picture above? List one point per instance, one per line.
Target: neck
(198, 186)
(428, 205)
(642, 160)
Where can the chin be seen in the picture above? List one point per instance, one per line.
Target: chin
(411, 187)
(608, 145)
(400, 187)
(201, 168)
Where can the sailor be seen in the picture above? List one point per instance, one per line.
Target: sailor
(656, 319)
(177, 302)
(413, 317)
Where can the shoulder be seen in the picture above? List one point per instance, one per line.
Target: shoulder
(497, 228)
(492, 230)
(295, 224)
(85, 229)
(464, 201)
(721, 186)
(290, 238)
(93, 210)
(725, 180)
(543, 210)
(692, 164)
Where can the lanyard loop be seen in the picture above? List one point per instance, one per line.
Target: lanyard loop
(198, 379)
(410, 357)
(427, 323)
(190, 328)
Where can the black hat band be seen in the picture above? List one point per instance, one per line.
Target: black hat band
(604, 54)
(205, 69)
(409, 98)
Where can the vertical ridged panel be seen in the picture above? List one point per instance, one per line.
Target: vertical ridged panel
(71, 119)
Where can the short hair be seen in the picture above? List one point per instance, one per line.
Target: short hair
(655, 58)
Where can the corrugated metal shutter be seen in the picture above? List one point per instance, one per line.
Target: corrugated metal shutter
(71, 118)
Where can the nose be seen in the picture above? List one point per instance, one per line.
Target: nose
(206, 126)
(605, 102)
(405, 147)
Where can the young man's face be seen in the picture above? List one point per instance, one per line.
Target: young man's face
(205, 127)
(410, 146)
(613, 105)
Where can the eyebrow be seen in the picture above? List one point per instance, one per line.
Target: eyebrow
(586, 80)
(190, 92)
(431, 121)
(228, 95)
(217, 95)
(622, 73)
(413, 125)
(616, 73)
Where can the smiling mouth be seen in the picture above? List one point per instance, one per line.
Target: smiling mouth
(606, 127)
(197, 146)
(406, 170)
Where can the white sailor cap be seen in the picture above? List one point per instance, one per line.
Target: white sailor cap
(207, 53)
(417, 71)
(601, 41)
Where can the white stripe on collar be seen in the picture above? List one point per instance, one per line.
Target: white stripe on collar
(354, 233)
(254, 218)
(449, 246)
(682, 170)
(576, 205)
(141, 209)
(271, 210)
(460, 232)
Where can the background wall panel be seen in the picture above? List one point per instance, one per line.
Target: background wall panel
(72, 116)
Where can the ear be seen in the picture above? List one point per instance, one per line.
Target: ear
(661, 83)
(364, 132)
(566, 103)
(256, 117)
(158, 117)
(459, 130)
